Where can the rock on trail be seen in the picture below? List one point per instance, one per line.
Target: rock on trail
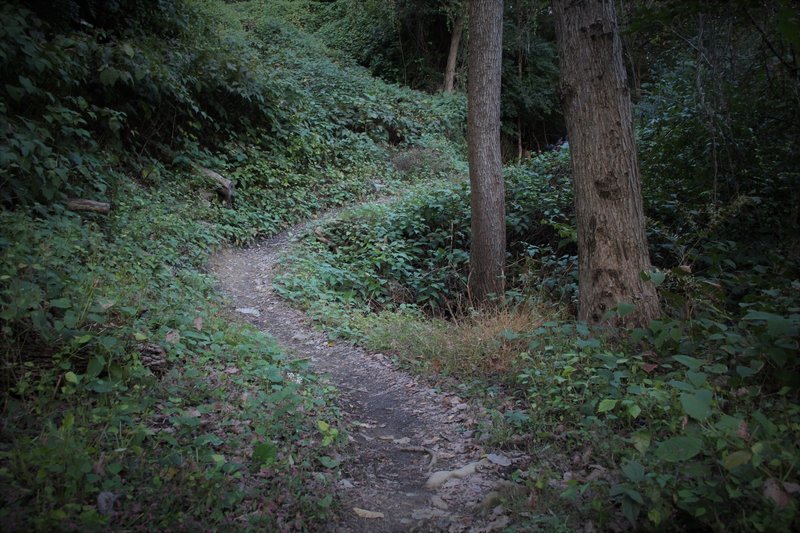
(412, 464)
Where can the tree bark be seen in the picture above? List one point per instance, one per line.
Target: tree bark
(488, 248)
(612, 245)
(455, 43)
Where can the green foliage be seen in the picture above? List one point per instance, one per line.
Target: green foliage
(83, 300)
(416, 250)
(70, 96)
(403, 42)
(698, 439)
(529, 106)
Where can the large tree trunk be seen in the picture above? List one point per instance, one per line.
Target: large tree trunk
(488, 249)
(455, 42)
(612, 245)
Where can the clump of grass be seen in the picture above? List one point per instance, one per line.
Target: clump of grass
(481, 344)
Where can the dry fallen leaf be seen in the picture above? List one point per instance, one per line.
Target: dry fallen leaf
(791, 488)
(743, 431)
(363, 513)
(198, 323)
(173, 337)
(498, 459)
(774, 492)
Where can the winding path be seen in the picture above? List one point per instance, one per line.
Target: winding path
(402, 431)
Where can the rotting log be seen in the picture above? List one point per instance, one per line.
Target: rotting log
(226, 190)
(81, 204)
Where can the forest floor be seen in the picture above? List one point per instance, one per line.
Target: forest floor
(413, 461)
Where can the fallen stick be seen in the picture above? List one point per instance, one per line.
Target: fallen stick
(420, 449)
(80, 204)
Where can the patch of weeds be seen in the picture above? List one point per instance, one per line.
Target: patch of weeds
(130, 400)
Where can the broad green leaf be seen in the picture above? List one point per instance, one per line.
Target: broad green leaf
(691, 362)
(265, 453)
(641, 441)
(274, 375)
(657, 277)
(679, 449)
(606, 405)
(633, 471)
(323, 426)
(776, 324)
(61, 303)
(718, 368)
(327, 462)
(745, 371)
(698, 379)
(736, 459)
(654, 515)
(100, 386)
(634, 410)
(83, 339)
(95, 366)
(71, 377)
(109, 76)
(108, 342)
(624, 308)
(697, 404)
(681, 385)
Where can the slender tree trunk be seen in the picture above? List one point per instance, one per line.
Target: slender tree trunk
(612, 245)
(520, 56)
(455, 43)
(488, 248)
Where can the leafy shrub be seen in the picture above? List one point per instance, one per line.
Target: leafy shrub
(416, 250)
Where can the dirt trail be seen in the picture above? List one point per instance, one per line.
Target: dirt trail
(402, 430)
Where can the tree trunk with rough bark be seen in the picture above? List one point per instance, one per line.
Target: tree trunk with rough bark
(455, 43)
(612, 245)
(488, 248)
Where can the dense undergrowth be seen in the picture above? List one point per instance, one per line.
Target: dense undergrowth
(130, 398)
(691, 422)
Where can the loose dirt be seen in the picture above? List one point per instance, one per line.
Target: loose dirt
(403, 434)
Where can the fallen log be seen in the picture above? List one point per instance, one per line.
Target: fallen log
(226, 190)
(81, 204)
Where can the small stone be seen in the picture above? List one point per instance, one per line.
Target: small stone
(363, 513)
(439, 503)
(437, 479)
(105, 502)
(427, 514)
(498, 459)
(249, 311)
